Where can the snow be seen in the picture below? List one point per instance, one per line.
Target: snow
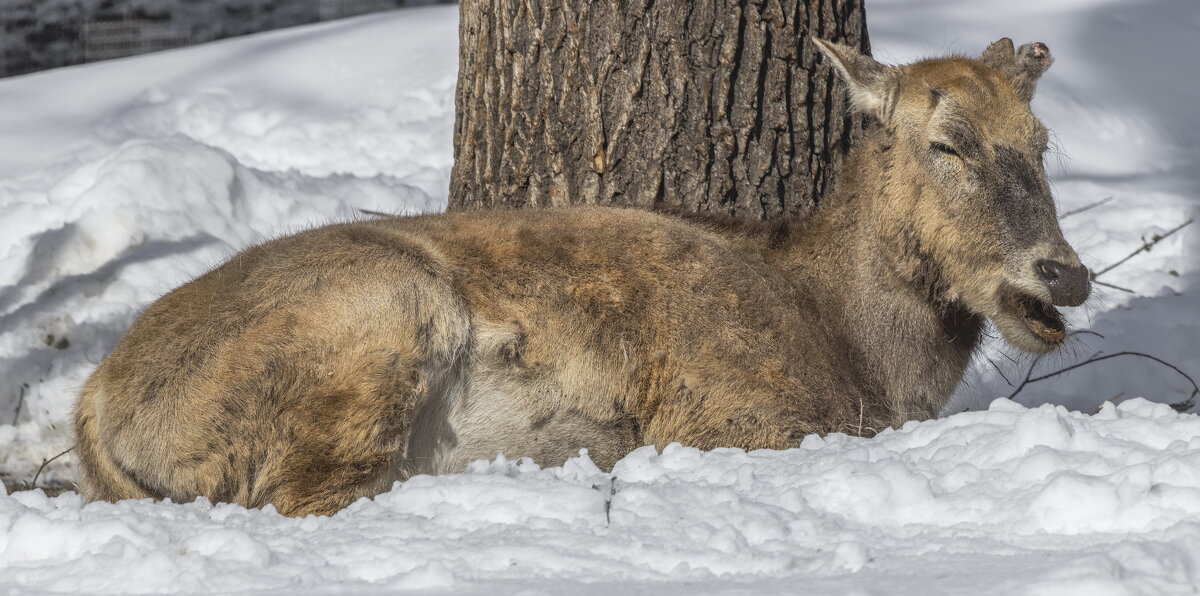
(1000, 501)
(124, 179)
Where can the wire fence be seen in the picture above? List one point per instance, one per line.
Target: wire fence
(41, 34)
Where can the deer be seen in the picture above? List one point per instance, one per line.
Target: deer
(320, 368)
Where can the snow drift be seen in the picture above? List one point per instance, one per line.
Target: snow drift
(1045, 498)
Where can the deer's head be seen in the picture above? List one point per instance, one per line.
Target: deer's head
(966, 187)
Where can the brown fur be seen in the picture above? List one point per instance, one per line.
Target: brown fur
(318, 368)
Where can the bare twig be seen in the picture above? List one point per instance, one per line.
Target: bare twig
(1145, 247)
(46, 462)
(1097, 358)
(20, 404)
(1028, 373)
(1113, 286)
(1033, 365)
(1085, 208)
(612, 493)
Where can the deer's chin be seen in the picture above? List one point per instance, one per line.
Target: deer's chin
(1029, 323)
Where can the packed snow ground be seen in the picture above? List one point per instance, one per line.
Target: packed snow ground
(1006, 501)
(124, 179)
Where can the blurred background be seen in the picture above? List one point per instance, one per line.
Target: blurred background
(40, 34)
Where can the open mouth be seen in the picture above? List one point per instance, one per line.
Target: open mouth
(1041, 318)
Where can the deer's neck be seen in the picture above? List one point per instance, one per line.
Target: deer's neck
(912, 343)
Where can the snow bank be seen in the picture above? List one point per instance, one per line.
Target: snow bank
(150, 216)
(1046, 499)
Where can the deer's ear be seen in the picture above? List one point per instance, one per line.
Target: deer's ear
(1023, 65)
(1000, 55)
(867, 79)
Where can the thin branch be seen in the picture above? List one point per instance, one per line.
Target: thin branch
(1033, 365)
(608, 499)
(1113, 286)
(1028, 373)
(46, 462)
(20, 404)
(1145, 247)
(1097, 358)
(1085, 208)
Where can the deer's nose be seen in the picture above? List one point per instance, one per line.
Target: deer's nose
(1068, 284)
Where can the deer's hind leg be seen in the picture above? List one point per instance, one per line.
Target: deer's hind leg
(100, 477)
(342, 437)
(349, 394)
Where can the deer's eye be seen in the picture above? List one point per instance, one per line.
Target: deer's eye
(943, 148)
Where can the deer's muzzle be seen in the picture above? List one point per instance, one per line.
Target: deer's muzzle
(1069, 285)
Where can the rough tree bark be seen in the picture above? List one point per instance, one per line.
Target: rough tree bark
(711, 105)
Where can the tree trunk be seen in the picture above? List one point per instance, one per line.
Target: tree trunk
(713, 105)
